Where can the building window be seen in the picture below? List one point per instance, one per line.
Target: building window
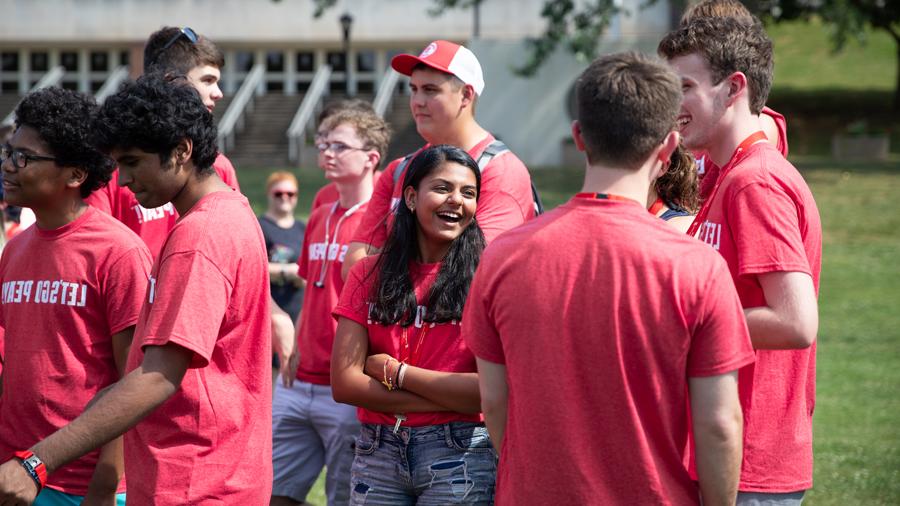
(9, 62)
(99, 61)
(70, 85)
(306, 61)
(365, 61)
(9, 87)
(124, 57)
(244, 61)
(40, 62)
(338, 61)
(274, 61)
(274, 86)
(69, 61)
(95, 86)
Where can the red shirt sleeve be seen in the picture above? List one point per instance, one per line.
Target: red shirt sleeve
(226, 171)
(720, 341)
(190, 298)
(126, 287)
(770, 238)
(478, 328)
(372, 229)
(506, 200)
(353, 303)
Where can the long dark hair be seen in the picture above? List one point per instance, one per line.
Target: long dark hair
(393, 296)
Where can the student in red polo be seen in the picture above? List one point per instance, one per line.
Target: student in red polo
(762, 218)
(73, 285)
(182, 54)
(197, 397)
(445, 84)
(603, 335)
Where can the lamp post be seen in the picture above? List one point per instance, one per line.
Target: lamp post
(346, 23)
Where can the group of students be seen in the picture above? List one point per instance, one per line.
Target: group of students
(452, 346)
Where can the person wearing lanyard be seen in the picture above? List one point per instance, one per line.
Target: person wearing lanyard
(761, 217)
(398, 352)
(310, 429)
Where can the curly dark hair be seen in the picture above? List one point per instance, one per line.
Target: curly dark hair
(62, 118)
(393, 295)
(154, 115)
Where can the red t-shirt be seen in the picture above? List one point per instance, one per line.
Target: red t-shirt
(325, 195)
(442, 350)
(600, 312)
(505, 201)
(708, 172)
(763, 219)
(211, 442)
(322, 260)
(66, 291)
(152, 225)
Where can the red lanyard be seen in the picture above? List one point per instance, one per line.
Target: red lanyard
(735, 158)
(407, 357)
(603, 196)
(657, 206)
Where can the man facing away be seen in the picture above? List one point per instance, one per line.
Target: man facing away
(197, 394)
(445, 84)
(603, 335)
(178, 54)
(761, 217)
(309, 428)
(72, 291)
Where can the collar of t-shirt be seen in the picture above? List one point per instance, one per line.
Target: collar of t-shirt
(68, 228)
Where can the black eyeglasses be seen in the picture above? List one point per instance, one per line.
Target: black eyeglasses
(20, 159)
(336, 147)
(187, 32)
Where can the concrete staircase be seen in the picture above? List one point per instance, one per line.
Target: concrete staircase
(263, 144)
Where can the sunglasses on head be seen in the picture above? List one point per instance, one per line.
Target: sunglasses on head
(279, 195)
(187, 32)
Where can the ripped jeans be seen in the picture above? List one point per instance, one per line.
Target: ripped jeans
(438, 464)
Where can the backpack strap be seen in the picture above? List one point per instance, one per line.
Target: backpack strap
(496, 149)
(398, 170)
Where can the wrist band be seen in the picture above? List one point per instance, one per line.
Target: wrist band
(401, 374)
(35, 468)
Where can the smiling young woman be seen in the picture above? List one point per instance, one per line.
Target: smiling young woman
(398, 352)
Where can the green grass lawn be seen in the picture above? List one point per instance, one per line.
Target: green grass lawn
(857, 436)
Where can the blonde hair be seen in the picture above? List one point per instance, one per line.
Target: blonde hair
(279, 176)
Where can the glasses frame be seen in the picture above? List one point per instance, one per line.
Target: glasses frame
(22, 157)
(337, 148)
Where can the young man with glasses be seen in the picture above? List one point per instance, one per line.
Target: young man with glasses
(196, 402)
(179, 54)
(73, 286)
(445, 83)
(309, 428)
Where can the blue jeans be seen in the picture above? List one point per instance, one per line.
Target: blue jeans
(438, 464)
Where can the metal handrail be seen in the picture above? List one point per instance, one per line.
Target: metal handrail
(51, 78)
(243, 100)
(386, 92)
(118, 76)
(317, 91)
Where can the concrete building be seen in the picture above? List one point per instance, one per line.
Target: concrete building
(88, 40)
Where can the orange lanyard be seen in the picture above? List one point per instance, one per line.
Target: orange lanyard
(407, 357)
(735, 158)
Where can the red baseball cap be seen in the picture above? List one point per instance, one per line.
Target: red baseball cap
(446, 57)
